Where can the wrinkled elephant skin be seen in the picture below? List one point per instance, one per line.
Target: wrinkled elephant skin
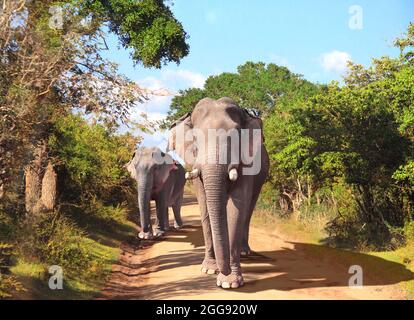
(225, 194)
(162, 181)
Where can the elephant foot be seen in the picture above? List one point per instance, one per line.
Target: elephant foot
(177, 226)
(209, 267)
(232, 281)
(145, 235)
(245, 251)
(159, 233)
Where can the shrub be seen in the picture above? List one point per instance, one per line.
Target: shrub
(8, 283)
(56, 240)
(6, 255)
(409, 231)
(6, 225)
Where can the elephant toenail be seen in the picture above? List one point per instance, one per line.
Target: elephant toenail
(234, 285)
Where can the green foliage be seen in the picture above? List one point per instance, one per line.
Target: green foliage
(255, 86)
(94, 189)
(147, 27)
(36, 103)
(109, 214)
(6, 225)
(91, 160)
(6, 255)
(409, 230)
(8, 283)
(55, 240)
(344, 149)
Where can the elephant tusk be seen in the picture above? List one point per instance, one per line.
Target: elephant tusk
(233, 175)
(192, 175)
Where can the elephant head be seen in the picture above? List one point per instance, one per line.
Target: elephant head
(150, 167)
(217, 140)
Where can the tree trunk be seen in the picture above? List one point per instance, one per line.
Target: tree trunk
(49, 188)
(33, 180)
(41, 184)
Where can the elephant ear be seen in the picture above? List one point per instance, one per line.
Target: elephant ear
(181, 139)
(163, 171)
(254, 126)
(131, 166)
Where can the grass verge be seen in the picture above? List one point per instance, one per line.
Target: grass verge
(104, 249)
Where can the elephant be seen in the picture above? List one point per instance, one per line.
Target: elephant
(226, 190)
(159, 178)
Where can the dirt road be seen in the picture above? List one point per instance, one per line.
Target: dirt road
(170, 269)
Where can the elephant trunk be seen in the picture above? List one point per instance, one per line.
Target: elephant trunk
(215, 180)
(144, 198)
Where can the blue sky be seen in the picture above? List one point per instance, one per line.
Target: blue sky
(312, 38)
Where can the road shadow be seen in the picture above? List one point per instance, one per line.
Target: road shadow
(295, 266)
(313, 266)
(189, 287)
(189, 234)
(292, 266)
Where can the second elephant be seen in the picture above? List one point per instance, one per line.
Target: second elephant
(161, 179)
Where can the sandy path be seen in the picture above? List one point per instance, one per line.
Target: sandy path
(170, 269)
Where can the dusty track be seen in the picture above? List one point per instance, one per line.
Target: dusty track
(170, 269)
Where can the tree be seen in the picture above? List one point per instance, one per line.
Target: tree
(346, 148)
(90, 159)
(45, 72)
(362, 132)
(258, 87)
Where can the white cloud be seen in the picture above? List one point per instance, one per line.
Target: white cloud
(335, 61)
(167, 84)
(181, 79)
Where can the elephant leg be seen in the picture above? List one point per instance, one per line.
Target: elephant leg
(236, 215)
(209, 265)
(245, 248)
(162, 209)
(166, 220)
(178, 223)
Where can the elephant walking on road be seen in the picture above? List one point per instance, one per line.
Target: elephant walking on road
(158, 178)
(227, 189)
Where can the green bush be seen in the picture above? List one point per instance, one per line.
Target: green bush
(6, 255)
(409, 231)
(8, 283)
(108, 213)
(66, 248)
(6, 226)
(56, 240)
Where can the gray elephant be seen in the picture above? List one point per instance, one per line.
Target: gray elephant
(227, 191)
(159, 178)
